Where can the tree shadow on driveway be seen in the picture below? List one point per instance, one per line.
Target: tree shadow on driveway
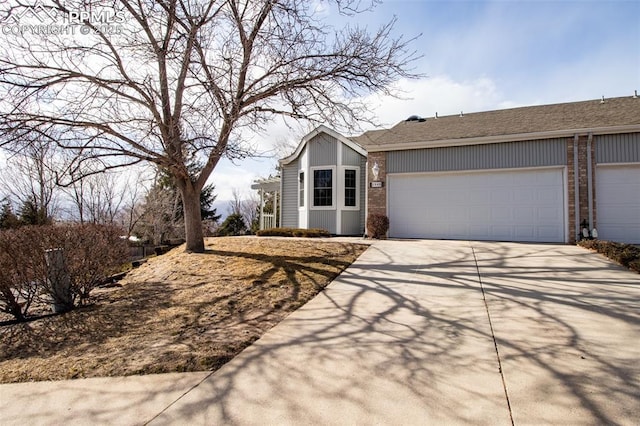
(406, 338)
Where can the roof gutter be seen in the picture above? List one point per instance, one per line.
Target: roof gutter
(631, 128)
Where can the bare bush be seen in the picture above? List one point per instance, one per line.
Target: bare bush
(91, 254)
(377, 225)
(22, 273)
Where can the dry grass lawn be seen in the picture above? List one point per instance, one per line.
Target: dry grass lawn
(177, 312)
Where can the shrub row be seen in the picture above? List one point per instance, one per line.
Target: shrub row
(625, 254)
(293, 232)
(91, 253)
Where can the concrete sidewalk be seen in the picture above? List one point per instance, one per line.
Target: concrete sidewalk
(414, 332)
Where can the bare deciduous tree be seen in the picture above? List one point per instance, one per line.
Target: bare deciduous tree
(29, 177)
(186, 78)
(132, 211)
(245, 206)
(97, 198)
(160, 219)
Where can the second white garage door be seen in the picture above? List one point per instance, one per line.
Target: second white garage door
(521, 205)
(618, 203)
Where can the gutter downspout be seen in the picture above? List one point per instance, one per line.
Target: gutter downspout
(366, 196)
(281, 179)
(590, 182)
(576, 185)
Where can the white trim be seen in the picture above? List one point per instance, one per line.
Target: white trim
(342, 188)
(338, 187)
(467, 171)
(504, 138)
(304, 189)
(632, 163)
(279, 212)
(322, 129)
(311, 180)
(366, 195)
(303, 212)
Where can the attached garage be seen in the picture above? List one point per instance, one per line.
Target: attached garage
(618, 202)
(509, 205)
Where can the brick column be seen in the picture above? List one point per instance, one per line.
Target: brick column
(377, 197)
(582, 178)
(583, 187)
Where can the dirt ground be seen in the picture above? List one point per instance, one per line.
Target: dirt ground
(177, 312)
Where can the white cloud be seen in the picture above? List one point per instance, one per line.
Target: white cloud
(441, 94)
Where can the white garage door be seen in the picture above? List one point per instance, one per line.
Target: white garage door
(525, 205)
(618, 203)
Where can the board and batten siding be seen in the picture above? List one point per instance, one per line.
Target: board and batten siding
(323, 150)
(351, 222)
(323, 219)
(535, 153)
(619, 148)
(289, 203)
(350, 157)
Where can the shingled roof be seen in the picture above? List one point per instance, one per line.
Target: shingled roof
(534, 122)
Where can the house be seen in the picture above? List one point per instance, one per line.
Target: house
(535, 174)
(322, 184)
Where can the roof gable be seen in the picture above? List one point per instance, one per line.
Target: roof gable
(322, 129)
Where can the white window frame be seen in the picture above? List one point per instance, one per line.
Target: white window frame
(312, 188)
(343, 188)
(302, 188)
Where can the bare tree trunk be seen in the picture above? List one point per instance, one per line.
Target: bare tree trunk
(192, 217)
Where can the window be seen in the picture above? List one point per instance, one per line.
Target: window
(323, 187)
(301, 189)
(350, 189)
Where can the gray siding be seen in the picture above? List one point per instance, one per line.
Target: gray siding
(622, 148)
(323, 151)
(350, 157)
(323, 219)
(351, 222)
(546, 152)
(290, 195)
(363, 193)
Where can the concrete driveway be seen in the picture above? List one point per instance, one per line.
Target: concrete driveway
(414, 332)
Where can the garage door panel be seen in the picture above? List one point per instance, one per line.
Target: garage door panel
(479, 196)
(511, 206)
(618, 203)
(524, 213)
(548, 214)
(525, 232)
(548, 233)
(548, 195)
(501, 196)
(500, 215)
(616, 194)
(522, 197)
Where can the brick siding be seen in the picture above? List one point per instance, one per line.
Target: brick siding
(377, 197)
(583, 182)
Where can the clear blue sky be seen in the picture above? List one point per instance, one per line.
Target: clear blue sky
(484, 55)
(528, 52)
